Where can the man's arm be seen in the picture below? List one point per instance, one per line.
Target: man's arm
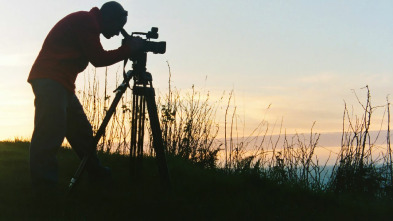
(98, 57)
(89, 40)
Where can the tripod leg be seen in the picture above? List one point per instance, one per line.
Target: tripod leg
(97, 137)
(141, 132)
(133, 142)
(157, 138)
(140, 127)
(137, 134)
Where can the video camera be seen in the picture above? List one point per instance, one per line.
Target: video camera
(149, 46)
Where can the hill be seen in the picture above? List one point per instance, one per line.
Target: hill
(198, 194)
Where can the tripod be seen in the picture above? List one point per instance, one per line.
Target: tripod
(143, 94)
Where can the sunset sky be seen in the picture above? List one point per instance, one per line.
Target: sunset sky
(302, 57)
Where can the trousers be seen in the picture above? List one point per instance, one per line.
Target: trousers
(58, 115)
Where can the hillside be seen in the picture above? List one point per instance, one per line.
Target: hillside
(197, 194)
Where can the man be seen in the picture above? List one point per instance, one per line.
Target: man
(71, 44)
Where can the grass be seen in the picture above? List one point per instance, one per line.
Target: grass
(198, 194)
(262, 179)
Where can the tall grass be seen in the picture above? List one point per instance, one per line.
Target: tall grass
(358, 169)
(190, 130)
(96, 103)
(187, 121)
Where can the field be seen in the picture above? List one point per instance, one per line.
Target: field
(198, 194)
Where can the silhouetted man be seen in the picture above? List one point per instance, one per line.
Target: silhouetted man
(71, 44)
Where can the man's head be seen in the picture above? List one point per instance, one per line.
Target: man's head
(114, 17)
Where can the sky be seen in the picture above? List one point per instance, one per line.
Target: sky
(303, 58)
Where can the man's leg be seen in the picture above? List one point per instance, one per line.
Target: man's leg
(49, 132)
(80, 136)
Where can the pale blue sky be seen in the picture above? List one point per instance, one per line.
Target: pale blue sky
(303, 57)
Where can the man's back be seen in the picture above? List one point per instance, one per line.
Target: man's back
(71, 44)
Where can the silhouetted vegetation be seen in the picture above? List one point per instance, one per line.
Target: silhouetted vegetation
(260, 175)
(356, 170)
(190, 131)
(198, 194)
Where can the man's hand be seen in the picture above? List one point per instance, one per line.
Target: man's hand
(136, 45)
